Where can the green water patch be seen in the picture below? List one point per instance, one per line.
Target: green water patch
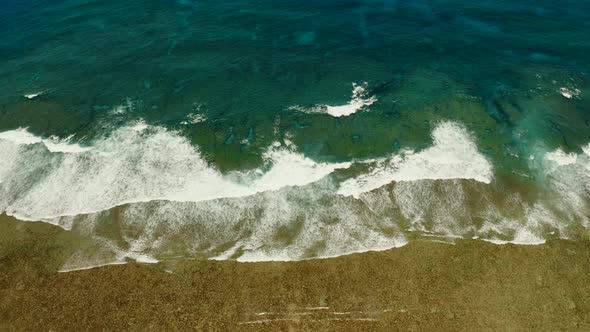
(506, 127)
(45, 117)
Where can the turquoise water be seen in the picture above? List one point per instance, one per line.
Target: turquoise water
(291, 129)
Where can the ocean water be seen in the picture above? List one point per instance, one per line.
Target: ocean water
(285, 130)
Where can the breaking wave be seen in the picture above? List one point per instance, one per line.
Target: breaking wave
(168, 201)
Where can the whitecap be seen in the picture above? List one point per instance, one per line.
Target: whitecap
(569, 93)
(561, 158)
(22, 136)
(140, 125)
(453, 155)
(139, 163)
(358, 101)
(33, 95)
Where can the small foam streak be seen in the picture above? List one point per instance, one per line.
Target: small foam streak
(358, 101)
(34, 95)
(90, 267)
(569, 93)
(374, 243)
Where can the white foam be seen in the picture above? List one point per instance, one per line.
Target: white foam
(22, 136)
(569, 93)
(140, 125)
(134, 164)
(358, 101)
(193, 118)
(55, 145)
(289, 168)
(372, 243)
(90, 267)
(561, 158)
(227, 254)
(153, 163)
(569, 181)
(139, 258)
(260, 256)
(33, 95)
(525, 237)
(142, 258)
(123, 108)
(453, 155)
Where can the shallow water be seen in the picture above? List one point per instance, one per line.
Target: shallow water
(264, 130)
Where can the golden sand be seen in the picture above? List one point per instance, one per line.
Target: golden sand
(470, 286)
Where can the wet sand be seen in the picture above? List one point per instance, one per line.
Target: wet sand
(472, 285)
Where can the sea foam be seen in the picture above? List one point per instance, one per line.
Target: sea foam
(141, 163)
(453, 155)
(53, 144)
(133, 164)
(33, 95)
(358, 101)
(286, 210)
(561, 158)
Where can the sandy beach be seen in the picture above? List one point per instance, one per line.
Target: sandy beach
(471, 285)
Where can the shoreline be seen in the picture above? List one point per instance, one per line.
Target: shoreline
(425, 285)
(146, 259)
